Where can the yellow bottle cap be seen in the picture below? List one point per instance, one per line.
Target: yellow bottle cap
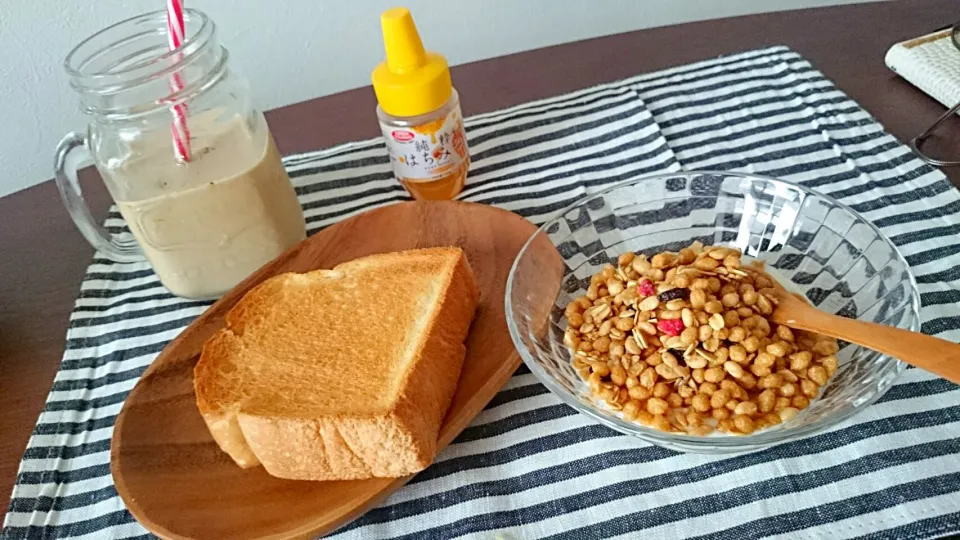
(411, 81)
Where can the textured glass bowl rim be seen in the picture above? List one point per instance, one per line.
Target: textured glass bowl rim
(725, 443)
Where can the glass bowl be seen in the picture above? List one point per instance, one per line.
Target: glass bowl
(816, 246)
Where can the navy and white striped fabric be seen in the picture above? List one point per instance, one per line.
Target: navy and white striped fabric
(528, 466)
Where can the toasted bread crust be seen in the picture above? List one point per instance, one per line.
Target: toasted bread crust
(394, 438)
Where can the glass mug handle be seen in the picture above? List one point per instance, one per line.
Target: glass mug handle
(72, 153)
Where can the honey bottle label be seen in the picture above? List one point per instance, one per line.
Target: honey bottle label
(429, 151)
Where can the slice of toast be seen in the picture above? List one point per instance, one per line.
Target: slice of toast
(341, 374)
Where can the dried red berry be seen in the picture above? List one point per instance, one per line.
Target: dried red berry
(646, 288)
(671, 327)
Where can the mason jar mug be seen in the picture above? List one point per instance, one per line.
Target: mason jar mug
(205, 214)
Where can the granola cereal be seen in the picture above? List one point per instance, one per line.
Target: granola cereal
(681, 342)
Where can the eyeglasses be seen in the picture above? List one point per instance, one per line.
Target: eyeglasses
(917, 142)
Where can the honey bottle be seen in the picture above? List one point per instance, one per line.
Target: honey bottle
(419, 113)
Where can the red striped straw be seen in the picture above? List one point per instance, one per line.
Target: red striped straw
(179, 129)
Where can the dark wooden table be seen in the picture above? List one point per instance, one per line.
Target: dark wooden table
(43, 257)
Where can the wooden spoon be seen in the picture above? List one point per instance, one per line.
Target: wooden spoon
(935, 355)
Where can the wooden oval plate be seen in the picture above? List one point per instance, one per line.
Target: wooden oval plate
(179, 484)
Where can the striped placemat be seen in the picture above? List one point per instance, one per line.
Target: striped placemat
(528, 466)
